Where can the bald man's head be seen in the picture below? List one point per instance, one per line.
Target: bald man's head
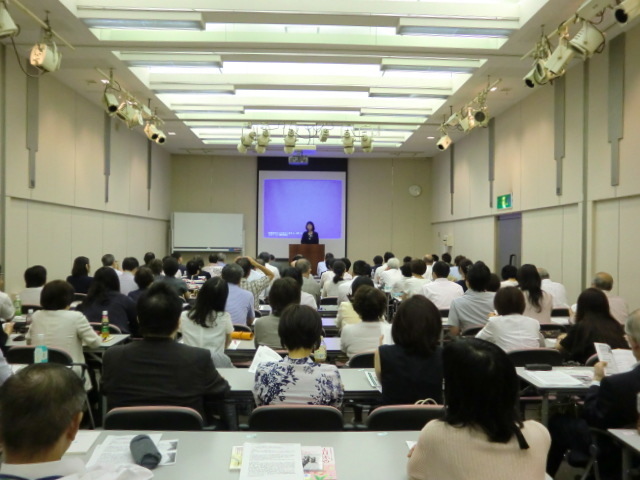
(632, 329)
(603, 281)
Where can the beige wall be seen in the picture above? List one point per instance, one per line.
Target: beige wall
(525, 166)
(66, 215)
(381, 215)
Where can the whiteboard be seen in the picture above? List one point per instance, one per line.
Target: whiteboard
(199, 232)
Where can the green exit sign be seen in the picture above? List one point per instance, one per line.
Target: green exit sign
(504, 201)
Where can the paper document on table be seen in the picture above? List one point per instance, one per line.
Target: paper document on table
(272, 461)
(83, 442)
(555, 378)
(233, 345)
(263, 354)
(618, 360)
(116, 450)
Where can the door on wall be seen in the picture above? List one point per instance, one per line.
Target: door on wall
(509, 235)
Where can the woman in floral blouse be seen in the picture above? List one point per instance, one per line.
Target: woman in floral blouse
(297, 379)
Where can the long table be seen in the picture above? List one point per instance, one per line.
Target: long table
(115, 339)
(245, 349)
(630, 439)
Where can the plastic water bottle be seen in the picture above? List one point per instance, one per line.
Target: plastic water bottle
(41, 352)
(17, 304)
(29, 316)
(104, 326)
(320, 355)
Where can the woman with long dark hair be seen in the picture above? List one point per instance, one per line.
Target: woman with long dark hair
(79, 278)
(538, 303)
(207, 325)
(594, 323)
(310, 235)
(481, 435)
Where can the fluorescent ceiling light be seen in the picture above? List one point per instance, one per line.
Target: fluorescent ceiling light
(192, 89)
(410, 92)
(457, 27)
(141, 19)
(395, 111)
(301, 94)
(431, 65)
(301, 113)
(206, 108)
(299, 29)
(168, 59)
(310, 69)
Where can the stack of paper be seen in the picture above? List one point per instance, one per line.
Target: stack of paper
(263, 354)
(115, 450)
(554, 378)
(618, 360)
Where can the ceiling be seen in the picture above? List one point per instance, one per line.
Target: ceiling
(215, 69)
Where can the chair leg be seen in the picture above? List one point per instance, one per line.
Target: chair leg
(91, 419)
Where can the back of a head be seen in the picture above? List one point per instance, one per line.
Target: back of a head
(446, 258)
(192, 268)
(327, 256)
(405, 268)
(300, 326)
(360, 281)
(245, 265)
(592, 303)
(35, 276)
(418, 267)
(283, 292)
(494, 283)
(632, 326)
(232, 273)
(143, 277)
(393, 263)
(293, 272)
(603, 281)
(303, 265)
(212, 297)
(544, 274)
(428, 259)
(176, 255)
(509, 301)
(105, 280)
(417, 325)
(148, 257)
(387, 256)
(478, 277)
(264, 256)
(347, 263)
(361, 268)
(369, 303)
(435, 257)
(339, 268)
(37, 406)
(481, 388)
(108, 260)
(441, 269)
(407, 259)
(155, 266)
(222, 257)
(465, 265)
(56, 295)
(213, 258)
(509, 271)
(170, 266)
(80, 267)
(377, 260)
(528, 277)
(458, 260)
(130, 264)
(159, 311)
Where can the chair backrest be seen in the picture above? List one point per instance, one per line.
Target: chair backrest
(403, 417)
(444, 313)
(471, 331)
(592, 360)
(549, 356)
(97, 327)
(552, 330)
(361, 360)
(23, 354)
(296, 418)
(79, 297)
(257, 314)
(153, 418)
(329, 301)
(560, 312)
(241, 328)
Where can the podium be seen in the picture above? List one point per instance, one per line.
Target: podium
(312, 252)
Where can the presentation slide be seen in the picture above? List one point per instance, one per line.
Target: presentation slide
(288, 200)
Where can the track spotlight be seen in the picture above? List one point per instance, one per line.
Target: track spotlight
(290, 141)
(587, 40)
(560, 58)
(154, 133)
(454, 119)
(263, 141)
(627, 10)
(111, 102)
(246, 140)
(444, 142)
(347, 142)
(130, 114)
(324, 135)
(538, 75)
(8, 28)
(46, 56)
(366, 142)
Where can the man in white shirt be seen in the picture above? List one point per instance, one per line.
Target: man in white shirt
(377, 276)
(214, 269)
(108, 260)
(473, 308)
(324, 266)
(392, 274)
(441, 291)
(360, 269)
(509, 274)
(40, 412)
(429, 260)
(617, 305)
(556, 289)
(34, 278)
(127, 283)
(309, 284)
(413, 285)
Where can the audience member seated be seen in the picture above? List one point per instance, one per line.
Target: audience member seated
(391, 275)
(370, 304)
(511, 330)
(481, 435)
(441, 291)
(617, 305)
(207, 325)
(41, 408)
(144, 279)
(377, 263)
(177, 256)
(104, 295)
(377, 274)
(200, 262)
(283, 292)
(309, 284)
(330, 287)
(62, 328)
(109, 260)
(555, 289)
(79, 278)
(170, 267)
(346, 314)
(7, 310)
(305, 298)
(473, 308)
(193, 271)
(360, 269)
(259, 284)
(610, 403)
(538, 303)
(155, 266)
(34, 278)
(509, 274)
(297, 378)
(127, 279)
(324, 266)
(239, 301)
(213, 269)
(148, 257)
(327, 275)
(465, 265)
(266, 258)
(494, 283)
(411, 368)
(158, 370)
(413, 285)
(594, 323)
